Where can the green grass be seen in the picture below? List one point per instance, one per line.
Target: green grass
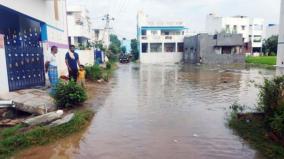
(262, 60)
(254, 133)
(15, 139)
(95, 72)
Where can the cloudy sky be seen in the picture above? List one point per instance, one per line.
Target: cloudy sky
(192, 12)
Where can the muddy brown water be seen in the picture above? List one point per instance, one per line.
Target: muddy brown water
(163, 112)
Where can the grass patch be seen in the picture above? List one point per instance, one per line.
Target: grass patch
(269, 67)
(254, 132)
(15, 139)
(262, 60)
(95, 72)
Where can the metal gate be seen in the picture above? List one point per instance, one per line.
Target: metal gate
(24, 58)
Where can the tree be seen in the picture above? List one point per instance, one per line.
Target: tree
(123, 49)
(114, 49)
(134, 49)
(114, 40)
(270, 45)
(99, 45)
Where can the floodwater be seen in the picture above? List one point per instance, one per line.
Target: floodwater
(163, 112)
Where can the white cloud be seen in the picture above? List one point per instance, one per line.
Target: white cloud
(192, 12)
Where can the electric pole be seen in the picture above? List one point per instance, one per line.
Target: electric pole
(107, 18)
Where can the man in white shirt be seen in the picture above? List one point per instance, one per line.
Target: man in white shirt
(51, 69)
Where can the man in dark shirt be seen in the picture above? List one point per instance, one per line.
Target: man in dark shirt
(72, 62)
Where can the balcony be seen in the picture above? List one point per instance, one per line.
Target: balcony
(162, 38)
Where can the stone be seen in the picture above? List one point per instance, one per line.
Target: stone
(62, 121)
(9, 122)
(32, 101)
(44, 119)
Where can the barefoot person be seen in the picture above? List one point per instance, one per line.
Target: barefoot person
(51, 69)
(82, 76)
(72, 62)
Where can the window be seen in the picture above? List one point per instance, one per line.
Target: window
(165, 33)
(154, 32)
(227, 28)
(143, 32)
(170, 47)
(180, 47)
(243, 27)
(257, 38)
(144, 47)
(156, 47)
(235, 29)
(56, 10)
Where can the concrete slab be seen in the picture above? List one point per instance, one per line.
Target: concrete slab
(34, 101)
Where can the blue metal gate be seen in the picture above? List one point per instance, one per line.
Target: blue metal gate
(24, 58)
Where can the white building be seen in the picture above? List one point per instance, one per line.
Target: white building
(280, 54)
(252, 29)
(159, 42)
(271, 30)
(101, 36)
(79, 26)
(30, 28)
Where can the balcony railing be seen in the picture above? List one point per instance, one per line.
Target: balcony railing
(162, 38)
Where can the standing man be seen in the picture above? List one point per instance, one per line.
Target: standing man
(51, 69)
(72, 63)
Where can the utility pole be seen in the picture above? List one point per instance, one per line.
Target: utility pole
(107, 18)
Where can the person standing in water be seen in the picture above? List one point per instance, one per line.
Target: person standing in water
(72, 63)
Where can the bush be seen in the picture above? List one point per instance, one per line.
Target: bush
(271, 96)
(93, 72)
(277, 122)
(108, 66)
(69, 94)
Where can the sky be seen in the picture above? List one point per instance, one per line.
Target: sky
(192, 12)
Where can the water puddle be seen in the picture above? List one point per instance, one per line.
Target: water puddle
(165, 112)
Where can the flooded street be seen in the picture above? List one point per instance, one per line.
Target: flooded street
(163, 112)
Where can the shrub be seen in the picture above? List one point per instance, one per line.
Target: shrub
(237, 108)
(93, 72)
(271, 96)
(69, 94)
(277, 122)
(108, 66)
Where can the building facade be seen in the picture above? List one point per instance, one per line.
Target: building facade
(27, 31)
(280, 53)
(101, 36)
(252, 29)
(79, 26)
(159, 42)
(214, 49)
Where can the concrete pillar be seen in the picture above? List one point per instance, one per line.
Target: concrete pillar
(280, 52)
(176, 49)
(4, 86)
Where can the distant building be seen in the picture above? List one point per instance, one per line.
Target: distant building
(27, 31)
(159, 42)
(252, 29)
(280, 53)
(101, 36)
(79, 26)
(271, 30)
(220, 48)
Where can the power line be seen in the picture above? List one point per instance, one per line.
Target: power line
(107, 18)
